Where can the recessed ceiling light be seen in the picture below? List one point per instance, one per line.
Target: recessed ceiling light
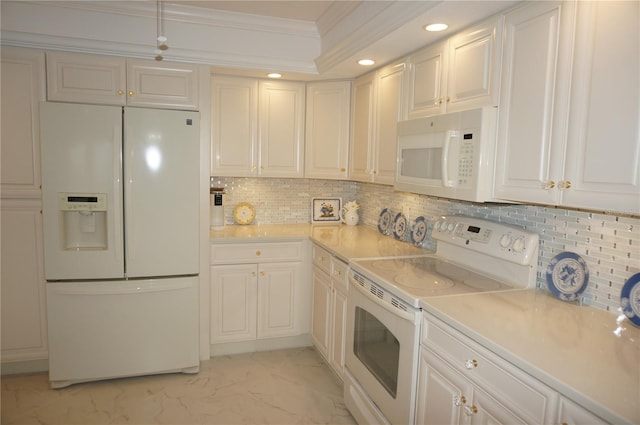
(366, 62)
(436, 27)
(274, 75)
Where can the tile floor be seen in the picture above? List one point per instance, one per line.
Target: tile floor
(276, 387)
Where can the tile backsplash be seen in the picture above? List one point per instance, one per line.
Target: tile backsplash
(609, 243)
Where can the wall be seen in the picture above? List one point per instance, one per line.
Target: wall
(609, 243)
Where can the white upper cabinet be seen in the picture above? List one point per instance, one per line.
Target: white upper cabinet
(281, 128)
(107, 80)
(257, 127)
(234, 126)
(377, 107)
(460, 73)
(568, 122)
(602, 159)
(327, 130)
(23, 88)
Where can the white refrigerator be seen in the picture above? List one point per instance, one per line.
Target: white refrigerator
(120, 211)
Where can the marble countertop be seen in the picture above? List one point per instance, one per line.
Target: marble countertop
(571, 348)
(347, 242)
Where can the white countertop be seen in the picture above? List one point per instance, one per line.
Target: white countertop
(347, 242)
(570, 348)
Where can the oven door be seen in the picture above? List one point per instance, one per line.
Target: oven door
(382, 344)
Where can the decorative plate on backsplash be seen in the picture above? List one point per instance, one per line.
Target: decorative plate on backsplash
(400, 226)
(419, 231)
(630, 299)
(385, 221)
(567, 276)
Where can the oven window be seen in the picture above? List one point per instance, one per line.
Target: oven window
(378, 349)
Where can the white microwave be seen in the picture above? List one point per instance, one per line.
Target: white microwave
(449, 156)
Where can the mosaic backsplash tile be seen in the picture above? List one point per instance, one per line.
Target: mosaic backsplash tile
(610, 244)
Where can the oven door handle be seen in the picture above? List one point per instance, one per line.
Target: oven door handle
(410, 316)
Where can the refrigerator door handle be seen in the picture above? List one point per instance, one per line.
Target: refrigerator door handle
(117, 191)
(128, 185)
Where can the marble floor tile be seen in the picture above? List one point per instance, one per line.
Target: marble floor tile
(274, 387)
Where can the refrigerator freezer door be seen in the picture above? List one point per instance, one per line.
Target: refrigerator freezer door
(101, 330)
(81, 154)
(161, 174)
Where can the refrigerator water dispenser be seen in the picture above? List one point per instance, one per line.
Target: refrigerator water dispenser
(84, 220)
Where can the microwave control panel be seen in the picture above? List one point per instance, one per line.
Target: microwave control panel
(465, 158)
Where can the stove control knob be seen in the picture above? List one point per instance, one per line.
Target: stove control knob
(505, 240)
(438, 225)
(451, 227)
(518, 244)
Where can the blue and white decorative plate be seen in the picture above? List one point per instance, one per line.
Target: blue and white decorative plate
(567, 276)
(400, 226)
(630, 299)
(419, 231)
(385, 221)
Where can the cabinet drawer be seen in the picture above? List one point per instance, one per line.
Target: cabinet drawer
(255, 253)
(322, 258)
(339, 273)
(510, 386)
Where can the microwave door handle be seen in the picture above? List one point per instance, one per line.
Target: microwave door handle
(450, 134)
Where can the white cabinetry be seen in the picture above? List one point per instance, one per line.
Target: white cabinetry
(24, 327)
(566, 136)
(327, 130)
(328, 328)
(109, 80)
(473, 382)
(257, 127)
(570, 413)
(377, 103)
(258, 291)
(460, 73)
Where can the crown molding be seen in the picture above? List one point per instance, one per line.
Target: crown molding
(376, 28)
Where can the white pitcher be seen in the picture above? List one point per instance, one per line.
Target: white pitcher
(349, 216)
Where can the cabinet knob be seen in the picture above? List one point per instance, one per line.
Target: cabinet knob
(131, 93)
(459, 400)
(548, 184)
(448, 99)
(470, 364)
(120, 92)
(262, 274)
(470, 410)
(342, 170)
(439, 102)
(258, 253)
(563, 185)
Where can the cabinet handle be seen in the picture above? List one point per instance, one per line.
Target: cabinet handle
(470, 364)
(566, 184)
(131, 93)
(120, 92)
(548, 184)
(258, 253)
(342, 170)
(459, 401)
(470, 410)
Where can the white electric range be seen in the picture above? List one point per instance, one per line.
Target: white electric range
(383, 313)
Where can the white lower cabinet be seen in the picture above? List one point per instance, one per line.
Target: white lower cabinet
(258, 292)
(474, 385)
(461, 382)
(328, 327)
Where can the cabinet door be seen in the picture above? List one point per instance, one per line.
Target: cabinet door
(427, 81)
(233, 303)
(569, 413)
(234, 126)
(281, 129)
(279, 289)
(603, 145)
(486, 410)
(441, 392)
(474, 66)
(23, 85)
(166, 85)
(390, 110)
(362, 128)
(24, 327)
(338, 329)
(327, 130)
(86, 78)
(321, 311)
(533, 101)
